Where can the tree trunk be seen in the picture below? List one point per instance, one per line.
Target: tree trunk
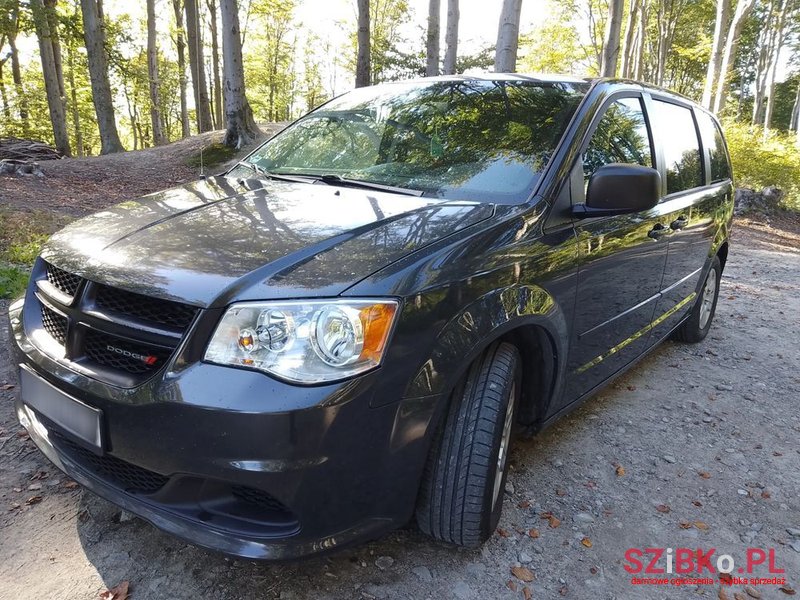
(608, 65)
(766, 38)
(743, 8)
(212, 19)
(181, 48)
(715, 60)
(432, 46)
(363, 67)
(53, 83)
(95, 38)
(152, 72)
(625, 68)
(16, 71)
(795, 121)
(196, 66)
(505, 58)
(76, 117)
(240, 127)
(3, 93)
(641, 32)
(773, 67)
(451, 38)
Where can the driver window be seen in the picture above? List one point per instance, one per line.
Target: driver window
(620, 137)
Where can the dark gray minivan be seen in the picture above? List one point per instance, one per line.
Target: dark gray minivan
(341, 331)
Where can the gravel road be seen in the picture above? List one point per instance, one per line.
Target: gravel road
(696, 447)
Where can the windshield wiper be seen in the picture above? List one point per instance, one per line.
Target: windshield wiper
(276, 176)
(332, 179)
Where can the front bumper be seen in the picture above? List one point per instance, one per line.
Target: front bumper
(235, 461)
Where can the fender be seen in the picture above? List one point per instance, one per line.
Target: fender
(478, 324)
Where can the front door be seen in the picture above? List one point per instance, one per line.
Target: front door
(622, 259)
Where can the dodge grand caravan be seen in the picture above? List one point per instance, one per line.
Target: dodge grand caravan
(339, 333)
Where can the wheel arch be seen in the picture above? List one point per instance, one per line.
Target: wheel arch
(526, 316)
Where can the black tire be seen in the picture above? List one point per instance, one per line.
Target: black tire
(693, 329)
(457, 501)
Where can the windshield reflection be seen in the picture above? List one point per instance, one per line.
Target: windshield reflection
(473, 139)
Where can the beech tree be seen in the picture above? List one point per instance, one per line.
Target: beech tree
(152, 71)
(505, 60)
(451, 37)
(95, 38)
(611, 47)
(180, 47)
(217, 85)
(240, 127)
(363, 66)
(723, 10)
(432, 45)
(50, 53)
(743, 8)
(197, 67)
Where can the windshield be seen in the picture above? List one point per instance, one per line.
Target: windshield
(475, 140)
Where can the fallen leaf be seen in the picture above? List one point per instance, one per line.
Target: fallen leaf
(725, 578)
(777, 454)
(561, 492)
(71, 485)
(554, 522)
(34, 487)
(739, 596)
(701, 526)
(752, 592)
(663, 508)
(593, 570)
(564, 590)
(14, 506)
(523, 574)
(503, 533)
(766, 494)
(546, 515)
(39, 475)
(697, 503)
(534, 533)
(722, 594)
(685, 525)
(119, 592)
(527, 593)
(704, 474)
(33, 500)
(620, 470)
(789, 591)
(524, 504)
(586, 542)
(7, 387)
(511, 584)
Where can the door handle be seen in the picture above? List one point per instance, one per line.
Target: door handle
(657, 231)
(679, 223)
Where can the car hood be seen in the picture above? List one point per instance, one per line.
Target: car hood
(221, 239)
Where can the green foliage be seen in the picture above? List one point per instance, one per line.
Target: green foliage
(758, 163)
(21, 239)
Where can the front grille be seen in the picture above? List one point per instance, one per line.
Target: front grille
(54, 324)
(257, 498)
(122, 337)
(135, 358)
(154, 310)
(118, 472)
(65, 282)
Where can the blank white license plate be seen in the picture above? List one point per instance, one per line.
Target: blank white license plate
(74, 416)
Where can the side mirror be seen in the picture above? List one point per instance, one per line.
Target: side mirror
(619, 189)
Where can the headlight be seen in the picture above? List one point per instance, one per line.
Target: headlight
(304, 342)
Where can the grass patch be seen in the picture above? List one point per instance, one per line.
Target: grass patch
(213, 156)
(22, 235)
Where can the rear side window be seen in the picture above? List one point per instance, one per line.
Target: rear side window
(621, 137)
(712, 138)
(678, 139)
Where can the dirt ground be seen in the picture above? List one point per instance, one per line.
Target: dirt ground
(696, 447)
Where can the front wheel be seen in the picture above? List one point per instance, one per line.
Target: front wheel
(461, 497)
(696, 327)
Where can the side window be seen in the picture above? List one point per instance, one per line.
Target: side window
(712, 138)
(678, 138)
(621, 137)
